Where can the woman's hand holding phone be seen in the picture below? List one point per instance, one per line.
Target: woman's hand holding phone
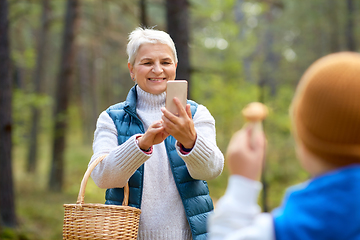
(180, 126)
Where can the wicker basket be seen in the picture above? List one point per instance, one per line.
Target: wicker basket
(100, 221)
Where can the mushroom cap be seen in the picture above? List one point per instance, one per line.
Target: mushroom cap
(255, 111)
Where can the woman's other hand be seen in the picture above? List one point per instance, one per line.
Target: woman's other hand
(244, 157)
(154, 135)
(181, 127)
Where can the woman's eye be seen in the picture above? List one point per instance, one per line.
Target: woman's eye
(166, 63)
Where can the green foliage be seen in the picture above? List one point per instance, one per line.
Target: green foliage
(23, 103)
(41, 212)
(224, 101)
(25, 59)
(13, 234)
(8, 233)
(282, 168)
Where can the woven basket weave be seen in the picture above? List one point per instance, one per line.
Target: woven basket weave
(100, 221)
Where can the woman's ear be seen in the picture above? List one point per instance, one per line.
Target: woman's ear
(131, 70)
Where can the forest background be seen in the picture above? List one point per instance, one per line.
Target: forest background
(236, 52)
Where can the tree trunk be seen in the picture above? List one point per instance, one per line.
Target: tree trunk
(270, 63)
(350, 31)
(267, 78)
(88, 103)
(62, 95)
(143, 14)
(38, 81)
(333, 19)
(177, 27)
(7, 202)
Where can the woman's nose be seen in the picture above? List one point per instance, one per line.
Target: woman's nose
(157, 68)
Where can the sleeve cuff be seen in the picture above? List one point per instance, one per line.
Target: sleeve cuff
(184, 150)
(147, 151)
(243, 188)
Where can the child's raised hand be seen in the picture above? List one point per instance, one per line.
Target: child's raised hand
(245, 153)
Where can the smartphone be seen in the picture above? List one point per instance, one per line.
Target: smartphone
(176, 88)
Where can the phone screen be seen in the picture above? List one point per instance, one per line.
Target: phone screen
(176, 88)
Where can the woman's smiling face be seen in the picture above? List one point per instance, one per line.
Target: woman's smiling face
(154, 65)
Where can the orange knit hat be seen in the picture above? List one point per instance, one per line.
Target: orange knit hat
(326, 108)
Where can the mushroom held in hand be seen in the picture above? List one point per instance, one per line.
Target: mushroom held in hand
(255, 113)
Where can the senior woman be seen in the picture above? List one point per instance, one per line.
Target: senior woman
(165, 158)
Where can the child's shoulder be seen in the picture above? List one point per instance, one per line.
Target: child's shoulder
(348, 175)
(330, 190)
(322, 206)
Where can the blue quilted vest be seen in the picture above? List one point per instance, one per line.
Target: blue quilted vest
(194, 193)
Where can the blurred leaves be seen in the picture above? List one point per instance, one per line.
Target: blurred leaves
(23, 102)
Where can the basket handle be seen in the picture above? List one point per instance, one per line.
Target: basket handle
(81, 195)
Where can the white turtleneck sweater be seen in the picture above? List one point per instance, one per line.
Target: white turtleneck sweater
(162, 212)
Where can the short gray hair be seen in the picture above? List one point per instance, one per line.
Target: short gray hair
(147, 35)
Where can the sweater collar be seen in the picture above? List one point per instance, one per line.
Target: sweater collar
(149, 102)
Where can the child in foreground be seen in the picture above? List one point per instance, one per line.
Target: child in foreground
(325, 114)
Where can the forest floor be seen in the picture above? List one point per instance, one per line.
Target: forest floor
(40, 212)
